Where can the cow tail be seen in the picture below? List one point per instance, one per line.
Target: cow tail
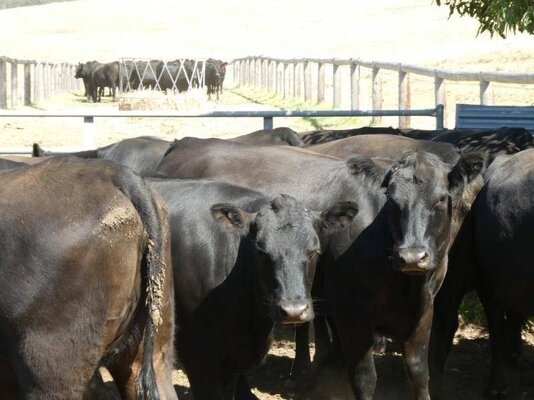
(142, 198)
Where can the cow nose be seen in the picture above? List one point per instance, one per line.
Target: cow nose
(413, 259)
(295, 312)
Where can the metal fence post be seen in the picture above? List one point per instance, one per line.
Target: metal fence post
(377, 94)
(14, 84)
(440, 114)
(88, 132)
(354, 86)
(268, 123)
(440, 96)
(486, 93)
(404, 98)
(27, 84)
(3, 84)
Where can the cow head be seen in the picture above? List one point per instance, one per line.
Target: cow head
(285, 245)
(423, 198)
(78, 71)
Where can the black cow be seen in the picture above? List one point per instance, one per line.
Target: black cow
(144, 74)
(214, 73)
(85, 72)
(493, 143)
(328, 135)
(276, 137)
(240, 266)
(385, 146)
(86, 280)
(104, 76)
(367, 292)
(142, 154)
(174, 76)
(494, 257)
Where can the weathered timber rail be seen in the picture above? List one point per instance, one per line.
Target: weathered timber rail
(293, 78)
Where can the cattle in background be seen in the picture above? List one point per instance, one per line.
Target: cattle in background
(242, 261)
(281, 136)
(142, 154)
(86, 280)
(324, 136)
(105, 76)
(144, 74)
(382, 272)
(85, 72)
(493, 256)
(214, 73)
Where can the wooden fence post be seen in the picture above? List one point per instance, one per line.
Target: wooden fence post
(440, 94)
(284, 80)
(320, 82)
(14, 84)
(354, 86)
(27, 84)
(404, 98)
(38, 81)
(486, 93)
(377, 94)
(3, 84)
(293, 80)
(306, 80)
(336, 85)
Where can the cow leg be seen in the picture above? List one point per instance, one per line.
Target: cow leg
(302, 362)
(243, 390)
(356, 338)
(514, 325)
(497, 333)
(415, 355)
(444, 326)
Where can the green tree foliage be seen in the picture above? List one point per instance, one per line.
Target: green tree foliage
(23, 3)
(496, 16)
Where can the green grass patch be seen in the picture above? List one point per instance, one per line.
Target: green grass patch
(268, 98)
(24, 3)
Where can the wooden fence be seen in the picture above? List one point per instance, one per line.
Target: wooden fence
(31, 81)
(293, 78)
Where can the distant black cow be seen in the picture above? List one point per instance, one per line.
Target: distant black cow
(240, 266)
(142, 154)
(214, 73)
(174, 76)
(144, 74)
(104, 76)
(85, 72)
(281, 136)
(381, 273)
(86, 280)
(493, 255)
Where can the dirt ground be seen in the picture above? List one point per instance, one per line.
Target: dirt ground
(465, 377)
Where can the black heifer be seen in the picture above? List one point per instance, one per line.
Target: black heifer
(86, 280)
(386, 146)
(495, 257)
(214, 73)
(281, 136)
(240, 266)
(104, 76)
(368, 292)
(142, 154)
(324, 136)
(85, 72)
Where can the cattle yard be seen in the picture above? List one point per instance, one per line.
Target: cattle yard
(42, 102)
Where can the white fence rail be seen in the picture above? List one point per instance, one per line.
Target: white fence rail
(292, 78)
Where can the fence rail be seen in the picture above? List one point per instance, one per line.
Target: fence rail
(34, 80)
(267, 116)
(292, 78)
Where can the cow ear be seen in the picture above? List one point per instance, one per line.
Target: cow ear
(365, 166)
(232, 218)
(387, 178)
(338, 216)
(469, 166)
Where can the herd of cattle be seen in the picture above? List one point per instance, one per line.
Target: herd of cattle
(177, 76)
(134, 253)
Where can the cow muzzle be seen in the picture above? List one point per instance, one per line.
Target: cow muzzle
(293, 312)
(413, 261)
